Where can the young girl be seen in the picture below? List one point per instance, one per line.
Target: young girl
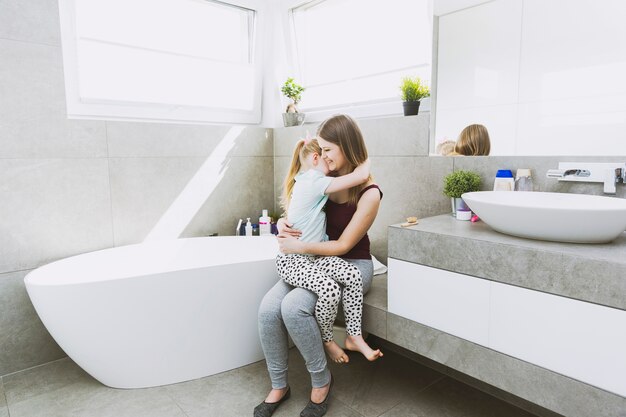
(305, 193)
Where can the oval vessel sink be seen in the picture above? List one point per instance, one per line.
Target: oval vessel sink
(559, 217)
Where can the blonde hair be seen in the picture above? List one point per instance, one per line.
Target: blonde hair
(445, 147)
(473, 141)
(303, 149)
(343, 131)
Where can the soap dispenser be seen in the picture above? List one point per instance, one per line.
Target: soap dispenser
(248, 227)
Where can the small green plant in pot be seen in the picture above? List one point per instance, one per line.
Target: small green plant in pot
(456, 184)
(293, 91)
(413, 89)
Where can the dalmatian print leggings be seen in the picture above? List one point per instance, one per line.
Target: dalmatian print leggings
(322, 275)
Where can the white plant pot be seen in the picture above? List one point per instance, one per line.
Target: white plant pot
(458, 204)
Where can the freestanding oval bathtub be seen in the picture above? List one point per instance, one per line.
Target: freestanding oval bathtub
(158, 312)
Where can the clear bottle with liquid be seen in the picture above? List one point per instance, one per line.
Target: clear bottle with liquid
(523, 180)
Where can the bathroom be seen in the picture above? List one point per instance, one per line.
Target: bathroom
(81, 175)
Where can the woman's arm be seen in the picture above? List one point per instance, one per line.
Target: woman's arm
(362, 220)
(359, 176)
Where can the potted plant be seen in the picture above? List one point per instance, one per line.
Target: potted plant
(293, 91)
(413, 90)
(457, 183)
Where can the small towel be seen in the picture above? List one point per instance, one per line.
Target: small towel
(379, 268)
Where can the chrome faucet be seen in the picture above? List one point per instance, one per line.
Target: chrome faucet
(561, 173)
(608, 173)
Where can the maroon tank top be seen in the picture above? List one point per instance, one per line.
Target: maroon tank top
(337, 218)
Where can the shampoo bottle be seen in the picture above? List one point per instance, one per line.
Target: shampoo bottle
(265, 228)
(248, 228)
(504, 181)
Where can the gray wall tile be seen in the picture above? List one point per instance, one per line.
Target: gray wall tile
(3, 400)
(52, 208)
(245, 191)
(397, 136)
(143, 189)
(36, 21)
(285, 138)
(34, 122)
(131, 139)
(20, 327)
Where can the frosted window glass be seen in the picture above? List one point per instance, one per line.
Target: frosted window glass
(360, 48)
(165, 52)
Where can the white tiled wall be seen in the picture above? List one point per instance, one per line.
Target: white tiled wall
(545, 77)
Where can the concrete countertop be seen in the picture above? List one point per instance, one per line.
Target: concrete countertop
(590, 272)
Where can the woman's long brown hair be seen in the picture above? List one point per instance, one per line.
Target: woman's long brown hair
(343, 131)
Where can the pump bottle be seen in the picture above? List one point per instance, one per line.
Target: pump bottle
(248, 227)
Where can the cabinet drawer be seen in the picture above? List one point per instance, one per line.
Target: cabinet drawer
(578, 339)
(454, 303)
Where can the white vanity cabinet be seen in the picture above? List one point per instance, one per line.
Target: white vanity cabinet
(575, 338)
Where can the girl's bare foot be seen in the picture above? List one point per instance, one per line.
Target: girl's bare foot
(335, 352)
(358, 344)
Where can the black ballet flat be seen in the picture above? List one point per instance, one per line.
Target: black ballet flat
(267, 409)
(317, 409)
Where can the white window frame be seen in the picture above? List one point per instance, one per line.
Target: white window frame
(81, 109)
(374, 108)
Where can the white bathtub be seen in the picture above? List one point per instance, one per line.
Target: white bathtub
(158, 313)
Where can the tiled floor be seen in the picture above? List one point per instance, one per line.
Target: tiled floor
(391, 387)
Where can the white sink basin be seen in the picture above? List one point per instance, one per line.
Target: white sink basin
(577, 218)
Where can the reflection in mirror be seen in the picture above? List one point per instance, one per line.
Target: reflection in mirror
(546, 78)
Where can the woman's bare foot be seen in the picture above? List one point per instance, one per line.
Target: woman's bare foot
(358, 344)
(318, 395)
(335, 352)
(276, 395)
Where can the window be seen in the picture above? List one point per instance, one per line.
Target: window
(190, 60)
(354, 53)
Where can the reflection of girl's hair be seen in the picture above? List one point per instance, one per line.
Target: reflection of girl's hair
(343, 131)
(445, 148)
(304, 148)
(473, 141)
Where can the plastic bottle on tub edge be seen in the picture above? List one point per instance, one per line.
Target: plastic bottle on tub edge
(523, 180)
(248, 227)
(265, 228)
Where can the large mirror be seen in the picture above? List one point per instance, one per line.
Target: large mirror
(546, 77)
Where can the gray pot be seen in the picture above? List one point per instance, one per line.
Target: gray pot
(293, 119)
(458, 204)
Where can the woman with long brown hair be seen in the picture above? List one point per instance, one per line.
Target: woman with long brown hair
(288, 311)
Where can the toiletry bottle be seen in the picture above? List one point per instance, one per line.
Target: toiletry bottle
(523, 180)
(265, 228)
(248, 228)
(504, 181)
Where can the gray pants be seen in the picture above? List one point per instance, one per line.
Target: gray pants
(288, 311)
